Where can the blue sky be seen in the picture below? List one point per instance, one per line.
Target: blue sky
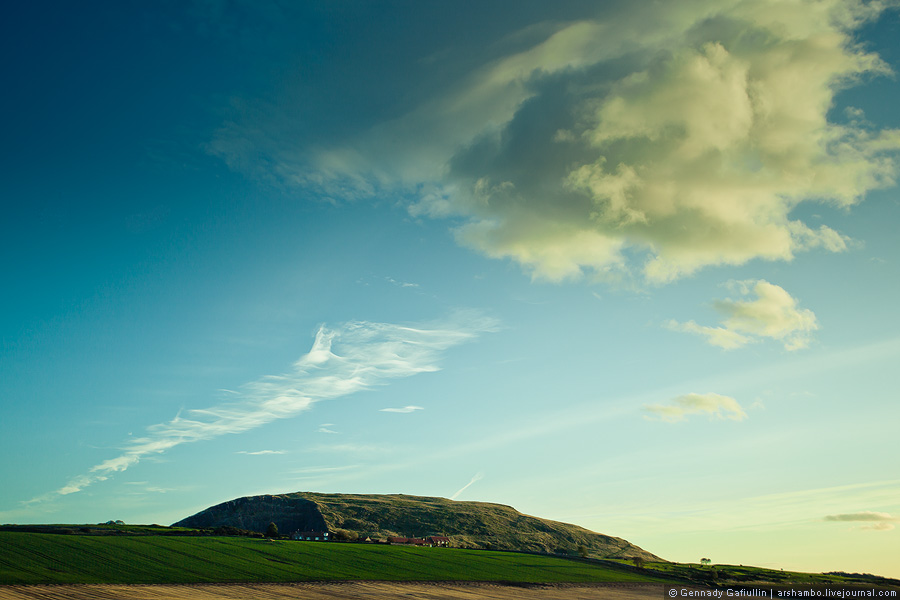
(627, 265)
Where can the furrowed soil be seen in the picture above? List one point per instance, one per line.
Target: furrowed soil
(361, 590)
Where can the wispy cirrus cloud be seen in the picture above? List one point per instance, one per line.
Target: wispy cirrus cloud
(146, 488)
(261, 452)
(648, 138)
(713, 405)
(351, 358)
(874, 521)
(404, 409)
(880, 526)
(320, 470)
(772, 314)
(477, 477)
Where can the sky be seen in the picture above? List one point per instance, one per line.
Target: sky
(628, 265)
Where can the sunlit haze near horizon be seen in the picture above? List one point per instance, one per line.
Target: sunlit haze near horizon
(627, 265)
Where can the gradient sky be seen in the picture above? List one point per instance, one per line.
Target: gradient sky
(630, 265)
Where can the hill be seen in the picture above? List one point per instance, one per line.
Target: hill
(467, 524)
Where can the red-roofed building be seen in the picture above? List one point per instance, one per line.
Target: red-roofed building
(438, 541)
(434, 540)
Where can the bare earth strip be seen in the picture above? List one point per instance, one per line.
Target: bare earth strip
(362, 590)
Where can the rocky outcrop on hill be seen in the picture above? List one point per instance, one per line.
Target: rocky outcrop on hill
(290, 512)
(467, 524)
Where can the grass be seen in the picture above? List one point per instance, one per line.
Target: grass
(723, 575)
(102, 529)
(31, 558)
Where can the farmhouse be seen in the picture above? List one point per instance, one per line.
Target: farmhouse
(438, 541)
(325, 536)
(398, 540)
(434, 540)
(311, 536)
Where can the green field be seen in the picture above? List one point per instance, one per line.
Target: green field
(740, 575)
(30, 558)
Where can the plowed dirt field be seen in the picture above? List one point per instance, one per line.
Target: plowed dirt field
(361, 590)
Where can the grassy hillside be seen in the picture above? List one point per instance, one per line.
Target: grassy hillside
(467, 524)
(740, 575)
(30, 558)
(143, 556)
(122, 529)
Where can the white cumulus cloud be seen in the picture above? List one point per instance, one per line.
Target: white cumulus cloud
(773, 314)
(654, 138)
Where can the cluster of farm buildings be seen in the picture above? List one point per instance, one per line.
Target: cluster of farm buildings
(438, 541)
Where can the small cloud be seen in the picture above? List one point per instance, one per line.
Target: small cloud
(320, 470)
(366, 449)
(879, 527)
(261, 452)
(147, 489)
(715, 336)
(714, 405)
(875, 521)
(405, 409)
(325, 428)
(772, 314)
(403, 284)
(866, 515)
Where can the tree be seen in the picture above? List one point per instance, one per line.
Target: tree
(345, 535)
(705, 561)
(638, 562)
(272, 530)
(583, 551)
